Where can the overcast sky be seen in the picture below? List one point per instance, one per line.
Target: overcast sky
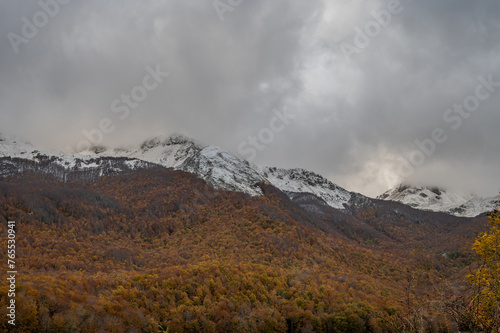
(361, 87)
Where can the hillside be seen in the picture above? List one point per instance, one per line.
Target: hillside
(156, 248)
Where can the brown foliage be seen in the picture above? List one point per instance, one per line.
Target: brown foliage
(161, 248)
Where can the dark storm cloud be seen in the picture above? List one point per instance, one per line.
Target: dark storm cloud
(354, 121)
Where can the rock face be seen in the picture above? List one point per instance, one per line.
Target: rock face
(440, 200)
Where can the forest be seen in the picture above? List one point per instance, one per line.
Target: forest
(158, 250)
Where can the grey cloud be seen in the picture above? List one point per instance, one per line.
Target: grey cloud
(355, 120)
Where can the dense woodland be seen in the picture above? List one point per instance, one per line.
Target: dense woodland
(161, 251)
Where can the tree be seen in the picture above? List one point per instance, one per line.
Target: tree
(486, 279)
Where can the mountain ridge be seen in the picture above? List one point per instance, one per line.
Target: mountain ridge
(226, 171)
(440, 200)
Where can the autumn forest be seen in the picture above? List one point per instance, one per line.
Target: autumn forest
(158, 250)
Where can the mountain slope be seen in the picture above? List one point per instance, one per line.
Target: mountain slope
(215, 165)
(170, 152)
(134, 252)
(137, 253)
(18, 156)
(294, 181)
(224, 171)
(140, 251)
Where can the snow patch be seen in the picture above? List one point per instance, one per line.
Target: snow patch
(300, 180)
(440, 200)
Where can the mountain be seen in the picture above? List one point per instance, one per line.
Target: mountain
(18, 156)
(295, 181)
(440, 200)
(170, 152)
(136, 253)
(215, 165)
(148, 246)
(224, 171)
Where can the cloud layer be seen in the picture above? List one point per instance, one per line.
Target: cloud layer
(357, 115)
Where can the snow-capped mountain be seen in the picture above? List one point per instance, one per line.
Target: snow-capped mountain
(16, 147)
(440, 200)
(476, 206)
(18, 155)
(224, 171)
(170, 152)
(302, 181)
(215, 165)
(228, 172)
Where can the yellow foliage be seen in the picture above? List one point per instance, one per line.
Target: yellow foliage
(486, 278)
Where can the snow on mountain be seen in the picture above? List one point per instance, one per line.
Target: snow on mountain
(215, 165)
(439, 200)
(18, 155)
(224, 170)
(303, 181)
(15, 147)
(11, 146)
(170, 152)
(476, 206)
(429, 198)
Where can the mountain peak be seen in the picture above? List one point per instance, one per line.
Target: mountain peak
(407, 189)
(437, 199)
(161, 140)
(303, 181)
(226, 171)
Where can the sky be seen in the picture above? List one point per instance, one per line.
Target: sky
(367, 93)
